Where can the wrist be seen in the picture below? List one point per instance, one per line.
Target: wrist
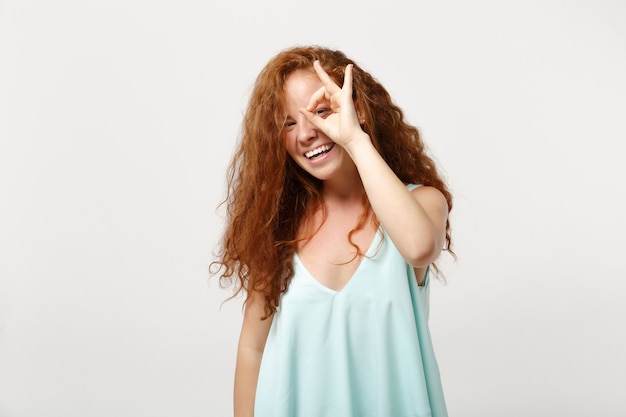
(360, 146)
(359, 143)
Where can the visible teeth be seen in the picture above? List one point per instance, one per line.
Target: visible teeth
(319, 150)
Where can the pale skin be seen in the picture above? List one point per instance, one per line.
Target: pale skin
(322, 115)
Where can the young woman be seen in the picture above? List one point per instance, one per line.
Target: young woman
(335, 216)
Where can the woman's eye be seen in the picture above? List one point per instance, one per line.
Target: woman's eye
(289, 123)
(321, 111)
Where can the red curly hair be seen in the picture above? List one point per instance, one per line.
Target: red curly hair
(269, 195)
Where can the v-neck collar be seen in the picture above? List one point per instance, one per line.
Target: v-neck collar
(362, 262)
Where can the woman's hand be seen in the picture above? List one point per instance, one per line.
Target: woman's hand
(342, 126)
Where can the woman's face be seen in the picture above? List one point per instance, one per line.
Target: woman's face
(311, 149)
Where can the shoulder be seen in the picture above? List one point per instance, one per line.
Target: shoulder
(425, 192)
(433, 200)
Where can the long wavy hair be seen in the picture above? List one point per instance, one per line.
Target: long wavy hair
(269, 196)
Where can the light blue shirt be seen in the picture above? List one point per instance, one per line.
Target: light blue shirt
(364, 351)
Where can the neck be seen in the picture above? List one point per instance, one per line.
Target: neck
(345, 189)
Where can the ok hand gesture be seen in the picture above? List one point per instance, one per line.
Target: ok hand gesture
(342, 125)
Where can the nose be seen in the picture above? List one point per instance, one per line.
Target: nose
(306, 130)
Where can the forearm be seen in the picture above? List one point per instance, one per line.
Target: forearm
(406, 221)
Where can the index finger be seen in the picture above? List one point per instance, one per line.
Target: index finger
(318, 97)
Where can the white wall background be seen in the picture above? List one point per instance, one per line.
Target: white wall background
(118, 117)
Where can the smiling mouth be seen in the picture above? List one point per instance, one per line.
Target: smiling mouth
(319, 151)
